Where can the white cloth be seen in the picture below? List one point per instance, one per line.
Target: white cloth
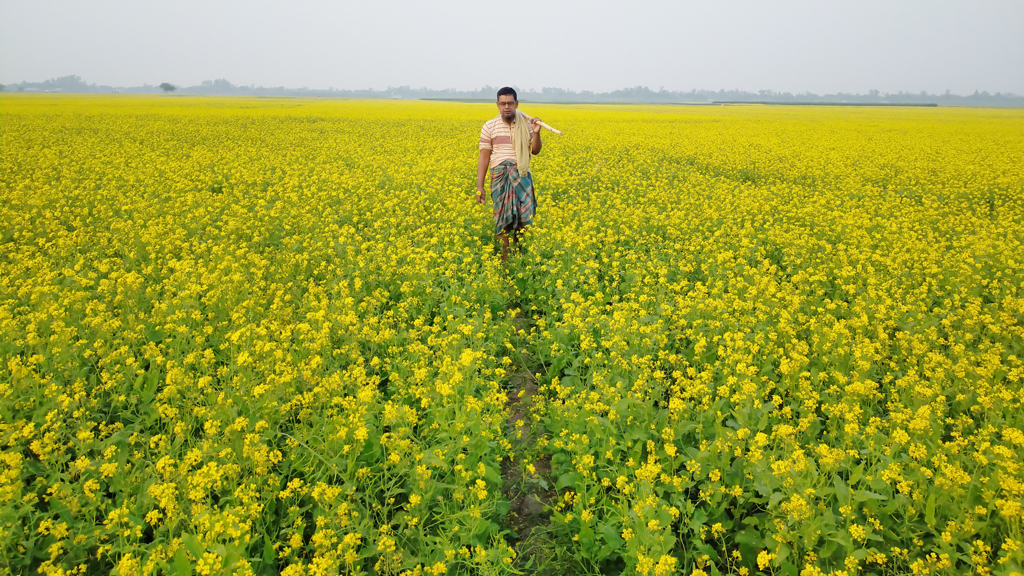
(522, 141)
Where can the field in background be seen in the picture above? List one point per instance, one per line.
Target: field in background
(272, 336)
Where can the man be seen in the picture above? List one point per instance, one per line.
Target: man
(506, 143)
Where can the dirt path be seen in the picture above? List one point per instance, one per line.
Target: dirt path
(527, 494)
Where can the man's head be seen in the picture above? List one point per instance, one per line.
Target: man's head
(508, 101)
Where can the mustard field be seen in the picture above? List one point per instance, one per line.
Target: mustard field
(273, 336)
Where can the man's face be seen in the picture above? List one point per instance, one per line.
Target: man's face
(507, 107)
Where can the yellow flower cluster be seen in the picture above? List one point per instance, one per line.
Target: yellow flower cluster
(782, 339)
(248, 336)
(272, 336)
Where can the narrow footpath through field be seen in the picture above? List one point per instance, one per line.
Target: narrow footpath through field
(528, 493)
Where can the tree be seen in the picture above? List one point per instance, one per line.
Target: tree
(168, 87)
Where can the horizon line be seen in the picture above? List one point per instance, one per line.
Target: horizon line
(223, 82)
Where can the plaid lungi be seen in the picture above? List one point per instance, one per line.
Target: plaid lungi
(514, 199)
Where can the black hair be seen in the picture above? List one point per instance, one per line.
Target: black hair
(508, 91)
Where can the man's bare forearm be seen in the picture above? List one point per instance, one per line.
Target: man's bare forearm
(481, 168)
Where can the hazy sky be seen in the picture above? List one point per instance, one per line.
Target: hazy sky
(819, 46)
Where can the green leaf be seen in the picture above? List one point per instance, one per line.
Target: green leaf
(842, 491)
(828, 549)
(181, 566)
(492, 475)
(611, 536)
(763, 489)
(566, 480)
(865, 495)
(193, 545)
(152, 382)
(783, 552)
(857, 474)
(587, 538)
(686, 428)
(751, 537)
(700, 516)
(268, 552)
(929, 510)
(704, 548)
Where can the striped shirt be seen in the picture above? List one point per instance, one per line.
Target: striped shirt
(496, 136)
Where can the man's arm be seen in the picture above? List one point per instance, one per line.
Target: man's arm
(481, 171)
(535, 143)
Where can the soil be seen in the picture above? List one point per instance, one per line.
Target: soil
(529, 502)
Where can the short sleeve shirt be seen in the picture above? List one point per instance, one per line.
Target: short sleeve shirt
(496, 136)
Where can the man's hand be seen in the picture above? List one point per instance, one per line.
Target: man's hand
(480, 195)
(534, 126)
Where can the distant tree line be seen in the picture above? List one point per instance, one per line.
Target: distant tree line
(637, 94)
